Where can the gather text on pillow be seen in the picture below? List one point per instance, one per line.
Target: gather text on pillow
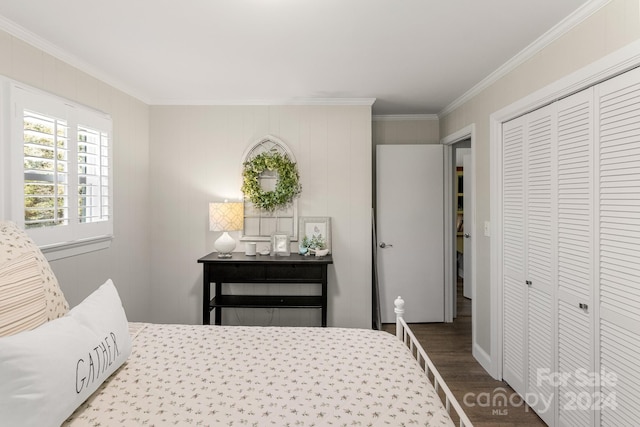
(98, 360)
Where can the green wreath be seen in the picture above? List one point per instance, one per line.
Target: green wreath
(287, 188)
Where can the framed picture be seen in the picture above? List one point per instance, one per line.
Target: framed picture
(280, 244)
(315, 231)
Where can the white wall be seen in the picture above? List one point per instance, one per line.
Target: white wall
(196, 155)
(127, 260)
(612, 27)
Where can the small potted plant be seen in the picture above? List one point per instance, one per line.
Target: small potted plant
(315, 245)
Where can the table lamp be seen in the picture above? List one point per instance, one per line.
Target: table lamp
(225, 217)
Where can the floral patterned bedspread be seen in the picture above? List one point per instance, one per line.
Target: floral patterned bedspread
(263, 376)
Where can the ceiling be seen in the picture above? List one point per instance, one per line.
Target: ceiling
(412, 56)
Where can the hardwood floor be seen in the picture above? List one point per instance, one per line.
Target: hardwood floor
(486, 401)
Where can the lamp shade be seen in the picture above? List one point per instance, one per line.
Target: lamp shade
(226, 216)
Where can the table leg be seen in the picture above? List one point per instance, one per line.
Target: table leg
(324, 302)
(206, 297)
(218, 310)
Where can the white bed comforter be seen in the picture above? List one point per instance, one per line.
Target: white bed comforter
(263, 376)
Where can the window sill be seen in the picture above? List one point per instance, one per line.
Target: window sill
(69, 249)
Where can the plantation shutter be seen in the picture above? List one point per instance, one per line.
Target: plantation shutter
(46, 170)
(94, 170)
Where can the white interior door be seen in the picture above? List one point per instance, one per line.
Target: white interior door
(468, 220)
(410, 206)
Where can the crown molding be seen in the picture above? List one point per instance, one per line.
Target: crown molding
(403, 117)
(564, 26)
(264, 102)
(46, 46)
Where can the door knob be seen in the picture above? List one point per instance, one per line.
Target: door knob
(467, 235)
(385, 245)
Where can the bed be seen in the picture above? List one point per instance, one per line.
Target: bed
(89, 366)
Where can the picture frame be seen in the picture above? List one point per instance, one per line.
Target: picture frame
(315, 226)
(280, 244)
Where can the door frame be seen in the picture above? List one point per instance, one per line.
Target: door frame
(450, 273)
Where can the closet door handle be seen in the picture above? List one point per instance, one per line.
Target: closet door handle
(583, 306)
(529, 282)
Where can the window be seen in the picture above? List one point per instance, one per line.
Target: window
(61, 176)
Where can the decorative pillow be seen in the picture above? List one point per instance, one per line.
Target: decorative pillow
(49, 371)
(15, 242)
(22, 305)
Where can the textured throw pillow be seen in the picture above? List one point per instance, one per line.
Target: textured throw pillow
(15, 242)
(22, 305)
(49, 371)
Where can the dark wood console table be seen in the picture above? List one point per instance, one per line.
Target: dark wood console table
(262, 269)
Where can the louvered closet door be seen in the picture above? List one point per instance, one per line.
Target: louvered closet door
(514, 290)
(540, 253)
(575, 254)
(618, 155)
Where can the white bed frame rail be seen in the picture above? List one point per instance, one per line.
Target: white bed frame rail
(404, 334)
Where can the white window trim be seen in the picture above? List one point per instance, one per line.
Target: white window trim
(78, 247)
(63, 242)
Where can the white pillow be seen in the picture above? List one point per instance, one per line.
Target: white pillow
(49, 371)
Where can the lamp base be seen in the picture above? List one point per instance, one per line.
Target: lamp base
(225, 245)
